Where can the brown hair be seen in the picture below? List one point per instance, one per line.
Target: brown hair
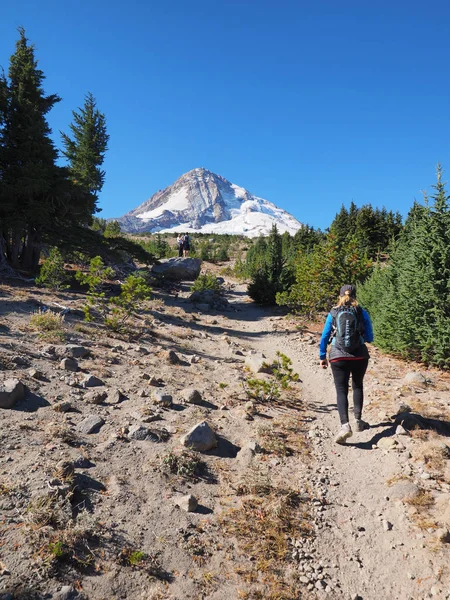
(347, 300)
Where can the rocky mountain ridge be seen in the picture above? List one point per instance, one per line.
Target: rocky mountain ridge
(201, 201)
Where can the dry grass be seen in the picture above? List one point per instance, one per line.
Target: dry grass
(395, 479)
(48, 324)
(422, 500)
(433, 452)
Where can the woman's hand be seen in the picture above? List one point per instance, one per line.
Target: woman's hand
(324, 363)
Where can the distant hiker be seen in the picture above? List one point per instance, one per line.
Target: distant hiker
(349, 326)
(186, 244)
(180, 243)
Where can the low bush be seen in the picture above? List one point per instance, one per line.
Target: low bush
(206, 281)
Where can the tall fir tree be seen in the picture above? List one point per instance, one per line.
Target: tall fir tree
(85, 152)
(32, 184)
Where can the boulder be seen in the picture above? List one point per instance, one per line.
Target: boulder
(415, 379)
(257, 363)
(200, 438)
(191, 396)
(162, 399)
(69, 364)
(403, 490)
(95, 397)
(77, 351)
(90, 424)
(91, 381)
(188, 503)
(11, 391)
(115, 396)
(172, 357)
(387, 443)
(178, 268)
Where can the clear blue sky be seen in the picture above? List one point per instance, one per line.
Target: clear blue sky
(309, 104)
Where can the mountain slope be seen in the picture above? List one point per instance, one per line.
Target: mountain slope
(201, 201)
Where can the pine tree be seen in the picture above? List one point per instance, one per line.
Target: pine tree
(33, 186)
(85, 153)
(411, 312)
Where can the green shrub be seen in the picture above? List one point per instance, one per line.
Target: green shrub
(132, 293)
(53, 274)
(206, 281)
(95, 278)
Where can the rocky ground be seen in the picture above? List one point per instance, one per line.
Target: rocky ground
(139, 466)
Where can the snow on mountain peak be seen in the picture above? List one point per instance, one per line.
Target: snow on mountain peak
(201, 201)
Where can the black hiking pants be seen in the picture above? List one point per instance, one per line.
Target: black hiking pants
(341, 370)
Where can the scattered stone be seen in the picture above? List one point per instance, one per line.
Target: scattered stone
(20, 361)
(81, 462)
(250, 408)
(69, 364)
(188, 503)
(387, 443)
(91, 381)
(403, 490)
(400, 430)
(153, 381)
(115, 396)
(62, 407)
(146, 415)
(415, 379)
(143, 350)
(77, 351)
(194, 359)
(387, 525)
(201, 438)
(191, 396)
(172, 357)
(11, 391)
(35, 374)
(65, 593)
(90, 424)
(162, 399)
(257, 363)
(443, 535)
(95, 397)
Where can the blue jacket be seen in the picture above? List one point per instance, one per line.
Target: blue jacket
(335, 353)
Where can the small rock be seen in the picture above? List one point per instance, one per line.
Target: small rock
(35, 374)
(257, 363)
(63, 406)
(416, 379)
(387, 443)
(139, 432)
(162, 399)
(143, 350)
(65, 593)
(172, 357)
(115, 396)
(191, 396)
(443, 535)
(188, 503)
(69, 364)
(11, 391)
(91, 381)
(387, 525)
(90, 424)
(194, 359)
(95, 397)
(77, 351)
(20, 361)
(400, 430)
(201, 438)
(250, 408)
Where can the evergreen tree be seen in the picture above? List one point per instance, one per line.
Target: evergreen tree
(33, 188)
(85, 153)
(267, 281)
(411, 311)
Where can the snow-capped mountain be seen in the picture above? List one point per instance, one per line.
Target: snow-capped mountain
(201, 201)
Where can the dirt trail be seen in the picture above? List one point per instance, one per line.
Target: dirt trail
(376, 551)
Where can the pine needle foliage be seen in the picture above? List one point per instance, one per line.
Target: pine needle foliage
(409, 299)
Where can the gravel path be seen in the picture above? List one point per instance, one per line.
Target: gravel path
(363, 533)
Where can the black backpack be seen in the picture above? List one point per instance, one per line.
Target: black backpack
(348, 327)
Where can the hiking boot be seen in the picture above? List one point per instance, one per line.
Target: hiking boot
(361, 425)
(344, 433)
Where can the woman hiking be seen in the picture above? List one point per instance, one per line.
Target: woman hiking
(349, 326)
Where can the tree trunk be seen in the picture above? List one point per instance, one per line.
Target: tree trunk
(32, 250)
